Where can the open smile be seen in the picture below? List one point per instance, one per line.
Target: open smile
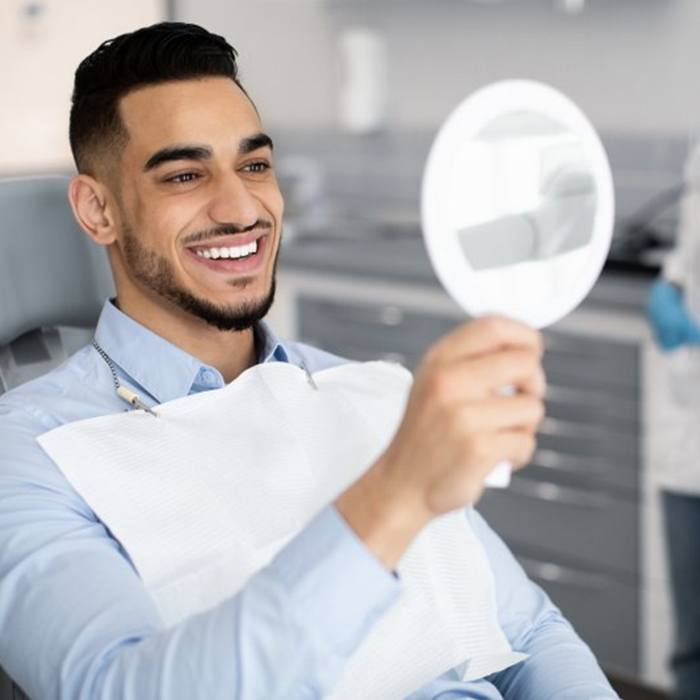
(222, 255)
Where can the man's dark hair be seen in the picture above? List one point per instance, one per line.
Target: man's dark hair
(148, 56)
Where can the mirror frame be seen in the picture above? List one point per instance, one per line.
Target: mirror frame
(470, 118)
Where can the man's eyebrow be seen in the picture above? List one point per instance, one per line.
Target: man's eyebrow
(252, 143)
(185, 152)
(192, 152)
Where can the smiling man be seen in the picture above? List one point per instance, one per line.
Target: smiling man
(184, 195)
(176, 179)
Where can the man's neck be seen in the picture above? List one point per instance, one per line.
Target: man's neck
(231, 352)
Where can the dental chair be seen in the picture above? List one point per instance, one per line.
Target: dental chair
(53, 282)
(562, 223)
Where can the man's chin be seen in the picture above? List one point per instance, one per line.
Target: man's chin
(238, 316)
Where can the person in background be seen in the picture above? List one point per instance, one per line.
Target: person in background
(674, 313)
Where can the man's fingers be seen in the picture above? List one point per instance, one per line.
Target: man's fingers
(490, 374)
(502, 414)
(487, 376)
(485, 335)
(514, 446)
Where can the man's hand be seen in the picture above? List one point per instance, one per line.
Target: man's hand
(457, 426)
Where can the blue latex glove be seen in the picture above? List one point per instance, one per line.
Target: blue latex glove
(670, 320)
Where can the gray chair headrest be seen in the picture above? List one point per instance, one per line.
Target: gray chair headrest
(51, 274)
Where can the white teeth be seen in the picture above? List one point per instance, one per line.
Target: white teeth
(240, 251)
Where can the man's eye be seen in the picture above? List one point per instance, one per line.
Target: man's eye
(182, 178)
(260, 166)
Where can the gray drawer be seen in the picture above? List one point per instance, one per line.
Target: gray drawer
(580, 527)
(589, 376)
(383, 326)
(579, 471)
(578, 360)
(603, 610)
(618, 449)
(582, 376)
(619, 411)
(598, 376)
(375, 329)
(605, 371)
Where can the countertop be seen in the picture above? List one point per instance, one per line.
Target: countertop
(400, 256)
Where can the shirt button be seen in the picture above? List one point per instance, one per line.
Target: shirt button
(208, 377)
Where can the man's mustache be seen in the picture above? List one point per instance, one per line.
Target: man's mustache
(227, 229)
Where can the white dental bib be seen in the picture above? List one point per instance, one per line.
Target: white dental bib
(205, 494)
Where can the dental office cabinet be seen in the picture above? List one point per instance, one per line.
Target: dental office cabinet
(583, 518)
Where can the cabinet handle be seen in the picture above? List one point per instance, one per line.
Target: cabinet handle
(391, 315)
(574, 464)
(552, 426)
(577, 397)
(397, 357)
(556, 573)
(384, 314)
(366, 355)
(557, 427)
(553, 493)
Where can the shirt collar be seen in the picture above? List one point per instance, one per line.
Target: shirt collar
(164, 370)
(269, 345)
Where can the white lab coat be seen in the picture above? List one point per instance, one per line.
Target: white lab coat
(679, 413)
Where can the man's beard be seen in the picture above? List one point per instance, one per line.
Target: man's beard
(155, 272)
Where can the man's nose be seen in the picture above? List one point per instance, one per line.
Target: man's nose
(233, 203)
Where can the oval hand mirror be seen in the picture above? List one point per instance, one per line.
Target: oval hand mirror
(517, 206)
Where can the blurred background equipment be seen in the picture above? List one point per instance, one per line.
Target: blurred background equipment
(363, 93)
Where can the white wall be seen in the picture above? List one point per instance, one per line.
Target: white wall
(39, 52)
(632, 65)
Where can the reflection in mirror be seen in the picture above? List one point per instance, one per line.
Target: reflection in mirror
(532, 194)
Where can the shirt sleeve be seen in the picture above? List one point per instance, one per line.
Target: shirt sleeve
(560, 664)
(77, 622)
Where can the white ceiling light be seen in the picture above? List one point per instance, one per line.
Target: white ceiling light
(573, 7)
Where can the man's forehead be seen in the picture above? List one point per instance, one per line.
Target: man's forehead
(200, 110)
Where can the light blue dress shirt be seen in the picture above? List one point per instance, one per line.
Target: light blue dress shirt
(77, 622)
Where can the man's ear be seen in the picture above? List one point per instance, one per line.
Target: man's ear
(92, 209)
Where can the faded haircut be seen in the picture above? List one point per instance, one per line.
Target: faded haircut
(160, 53)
